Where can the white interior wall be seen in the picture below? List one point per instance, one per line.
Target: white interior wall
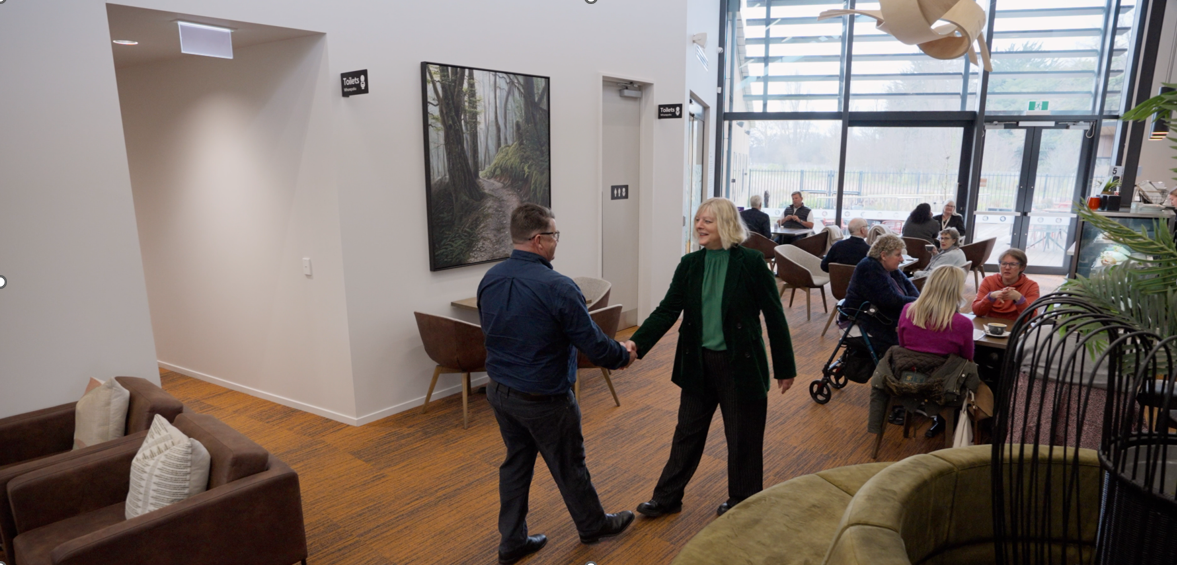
(75, 305)
(67, 207)
(232, 181)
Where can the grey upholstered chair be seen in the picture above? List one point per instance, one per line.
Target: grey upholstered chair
(596, 291)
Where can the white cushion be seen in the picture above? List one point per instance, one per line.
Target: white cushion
(101, 414)
(169, 468)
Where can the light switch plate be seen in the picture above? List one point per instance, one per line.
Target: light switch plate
(306, 266)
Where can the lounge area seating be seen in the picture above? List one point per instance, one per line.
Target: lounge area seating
(934, 508)
(74, 512)
(43, 438)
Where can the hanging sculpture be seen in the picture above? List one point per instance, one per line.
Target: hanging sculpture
(913, 22)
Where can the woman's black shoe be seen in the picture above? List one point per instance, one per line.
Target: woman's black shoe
(897, 415)
(653, 509)
(937, 428)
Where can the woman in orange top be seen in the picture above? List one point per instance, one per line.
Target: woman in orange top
(1009, 292)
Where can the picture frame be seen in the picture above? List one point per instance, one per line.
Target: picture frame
(487, 137)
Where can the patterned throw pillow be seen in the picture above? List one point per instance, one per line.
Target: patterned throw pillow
(169, 468)
(101, 414)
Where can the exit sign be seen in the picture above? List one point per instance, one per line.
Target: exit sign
(1039, 106)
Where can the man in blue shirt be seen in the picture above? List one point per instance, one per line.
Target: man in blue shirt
(534, 320)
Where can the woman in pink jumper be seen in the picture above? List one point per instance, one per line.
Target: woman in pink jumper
(933, 323)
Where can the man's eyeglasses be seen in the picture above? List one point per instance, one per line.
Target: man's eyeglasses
(555, 234)
(1011, 265)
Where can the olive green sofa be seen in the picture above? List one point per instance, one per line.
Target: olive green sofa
(929, 509)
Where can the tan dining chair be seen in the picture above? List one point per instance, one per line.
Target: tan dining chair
(815, 244)
(978, 254)
(800, 269)
(840, 275)
(763, 245)
(596, 291)
(456, 347)
(607, 319)
(915, 248)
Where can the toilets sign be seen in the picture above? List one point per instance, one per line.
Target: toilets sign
(355, 82)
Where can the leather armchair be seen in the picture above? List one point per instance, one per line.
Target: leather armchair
(42, 438)
(73, 512)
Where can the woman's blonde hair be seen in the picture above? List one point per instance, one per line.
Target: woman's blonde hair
(939, 301)
(727, 220)
(885, 245)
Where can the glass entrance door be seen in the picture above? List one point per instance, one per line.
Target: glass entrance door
(1029, 182)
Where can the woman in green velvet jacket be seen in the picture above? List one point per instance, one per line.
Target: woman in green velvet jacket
(720, 290)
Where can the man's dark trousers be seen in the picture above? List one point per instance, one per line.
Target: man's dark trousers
(549, 426)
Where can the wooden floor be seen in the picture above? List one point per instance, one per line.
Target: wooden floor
(415, 488)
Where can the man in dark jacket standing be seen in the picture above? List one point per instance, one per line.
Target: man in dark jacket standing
(851, 250)
(756, 220)
(535, 320)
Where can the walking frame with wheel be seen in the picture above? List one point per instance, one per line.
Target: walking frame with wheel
(853, 358)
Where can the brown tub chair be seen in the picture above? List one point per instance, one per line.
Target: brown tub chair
(73, 512)
(41, 438)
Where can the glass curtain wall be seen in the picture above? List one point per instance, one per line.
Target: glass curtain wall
(866, 126)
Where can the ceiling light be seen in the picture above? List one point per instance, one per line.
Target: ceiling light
(3, 282)
(206, 40)
(125, 42)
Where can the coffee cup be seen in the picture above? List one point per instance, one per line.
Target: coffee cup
(996, 329)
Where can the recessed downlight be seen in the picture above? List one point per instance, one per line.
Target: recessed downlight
(125, 42)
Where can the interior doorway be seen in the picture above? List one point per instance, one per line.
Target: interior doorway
(695, 190)
(623, 105)
(1029, 183)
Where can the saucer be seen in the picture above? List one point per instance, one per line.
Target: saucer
(991, 334)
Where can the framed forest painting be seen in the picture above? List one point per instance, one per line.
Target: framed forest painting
(487, 150)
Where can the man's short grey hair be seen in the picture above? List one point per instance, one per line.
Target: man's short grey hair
(529, 219)
(855, 225)
(756, 201)
(797, 193)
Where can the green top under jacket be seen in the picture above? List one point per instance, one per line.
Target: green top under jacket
(714, 273)
(749, 288)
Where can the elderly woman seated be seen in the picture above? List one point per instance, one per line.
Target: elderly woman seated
(950, 253)
(878, 280)
(1007, 293)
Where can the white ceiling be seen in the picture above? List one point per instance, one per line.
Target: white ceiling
(159, 38)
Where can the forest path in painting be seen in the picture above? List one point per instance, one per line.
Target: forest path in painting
(494, 236)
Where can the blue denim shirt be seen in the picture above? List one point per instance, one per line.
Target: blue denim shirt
(534, 320)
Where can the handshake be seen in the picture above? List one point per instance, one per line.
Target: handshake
(632, 348)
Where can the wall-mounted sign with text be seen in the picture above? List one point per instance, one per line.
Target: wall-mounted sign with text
(672, 111)
(355, 82)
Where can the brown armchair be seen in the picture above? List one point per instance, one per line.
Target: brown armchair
(456, 347)
(915, 248)
(607, 319)
(800, 269)
(978, 254)
(815, 244)
(839, 281)
(73, 512)
(42, 438)
(763, 245)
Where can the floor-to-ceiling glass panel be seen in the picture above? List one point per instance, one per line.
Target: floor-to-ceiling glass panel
(1047, 51)
(783, 59)
(997, 193)
(889, 171)
(1124, 37)
(890, 76)
(1053, 190)
(776, 158)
